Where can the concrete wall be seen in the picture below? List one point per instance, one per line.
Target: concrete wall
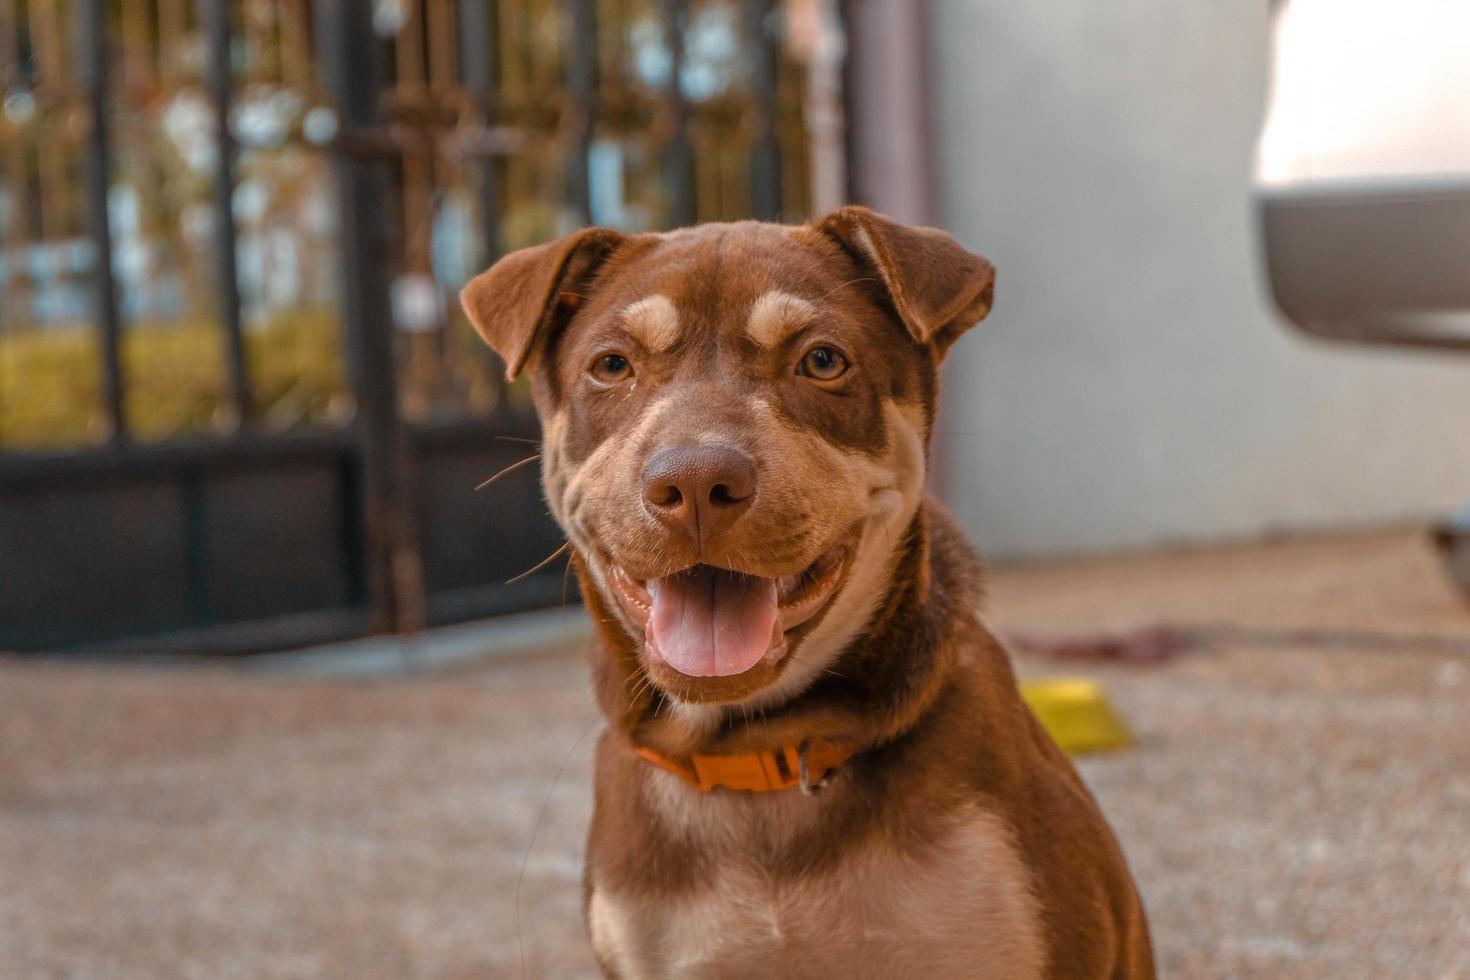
(1133, 385)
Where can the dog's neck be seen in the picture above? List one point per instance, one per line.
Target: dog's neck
(876, 688)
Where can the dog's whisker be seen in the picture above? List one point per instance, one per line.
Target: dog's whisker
(533, 442)
(566, 576)
(639, 679)
(849, 282)
(542, 563)
(509, 469)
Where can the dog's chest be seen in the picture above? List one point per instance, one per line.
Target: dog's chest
(964, 908)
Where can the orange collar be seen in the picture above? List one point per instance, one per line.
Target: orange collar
(808, 765)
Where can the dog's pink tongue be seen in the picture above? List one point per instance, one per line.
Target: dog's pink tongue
(707, 622)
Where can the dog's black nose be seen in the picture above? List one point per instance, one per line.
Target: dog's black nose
(701, 489)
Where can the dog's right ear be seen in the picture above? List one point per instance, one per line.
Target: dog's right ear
(520, 299)
(938, 288)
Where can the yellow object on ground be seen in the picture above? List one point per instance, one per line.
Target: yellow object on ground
(1076, 713)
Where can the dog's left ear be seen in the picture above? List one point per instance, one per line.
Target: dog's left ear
(938, 288)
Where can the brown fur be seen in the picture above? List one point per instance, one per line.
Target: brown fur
(958, 841)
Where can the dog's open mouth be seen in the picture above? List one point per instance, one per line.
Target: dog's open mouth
(707, 621)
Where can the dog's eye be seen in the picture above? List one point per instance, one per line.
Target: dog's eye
(823, 364)
(611, 368)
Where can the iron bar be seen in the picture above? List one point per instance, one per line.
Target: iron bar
(581, 82)
(678, 151)
(478, 56)
(93, 65)
(765, 149)
(215, 15)
(478, 74)
(349, 60)
(249, 451)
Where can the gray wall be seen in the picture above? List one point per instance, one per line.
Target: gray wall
(1133, 386)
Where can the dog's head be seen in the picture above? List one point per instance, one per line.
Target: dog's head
(735, 421)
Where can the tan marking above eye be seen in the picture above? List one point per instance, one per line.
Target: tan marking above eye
(776, 315)
(653, 322)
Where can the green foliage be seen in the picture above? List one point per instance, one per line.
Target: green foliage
(175, 380)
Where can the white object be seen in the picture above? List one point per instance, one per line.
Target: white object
(417, 305)
(1363, 170)
(1375, 90)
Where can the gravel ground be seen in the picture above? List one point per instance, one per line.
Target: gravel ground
(1298, 804)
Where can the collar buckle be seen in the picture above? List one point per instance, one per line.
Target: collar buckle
(809, 786)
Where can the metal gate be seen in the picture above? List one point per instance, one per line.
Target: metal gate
(239, 407)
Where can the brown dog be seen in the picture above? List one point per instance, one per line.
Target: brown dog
(817, 763)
